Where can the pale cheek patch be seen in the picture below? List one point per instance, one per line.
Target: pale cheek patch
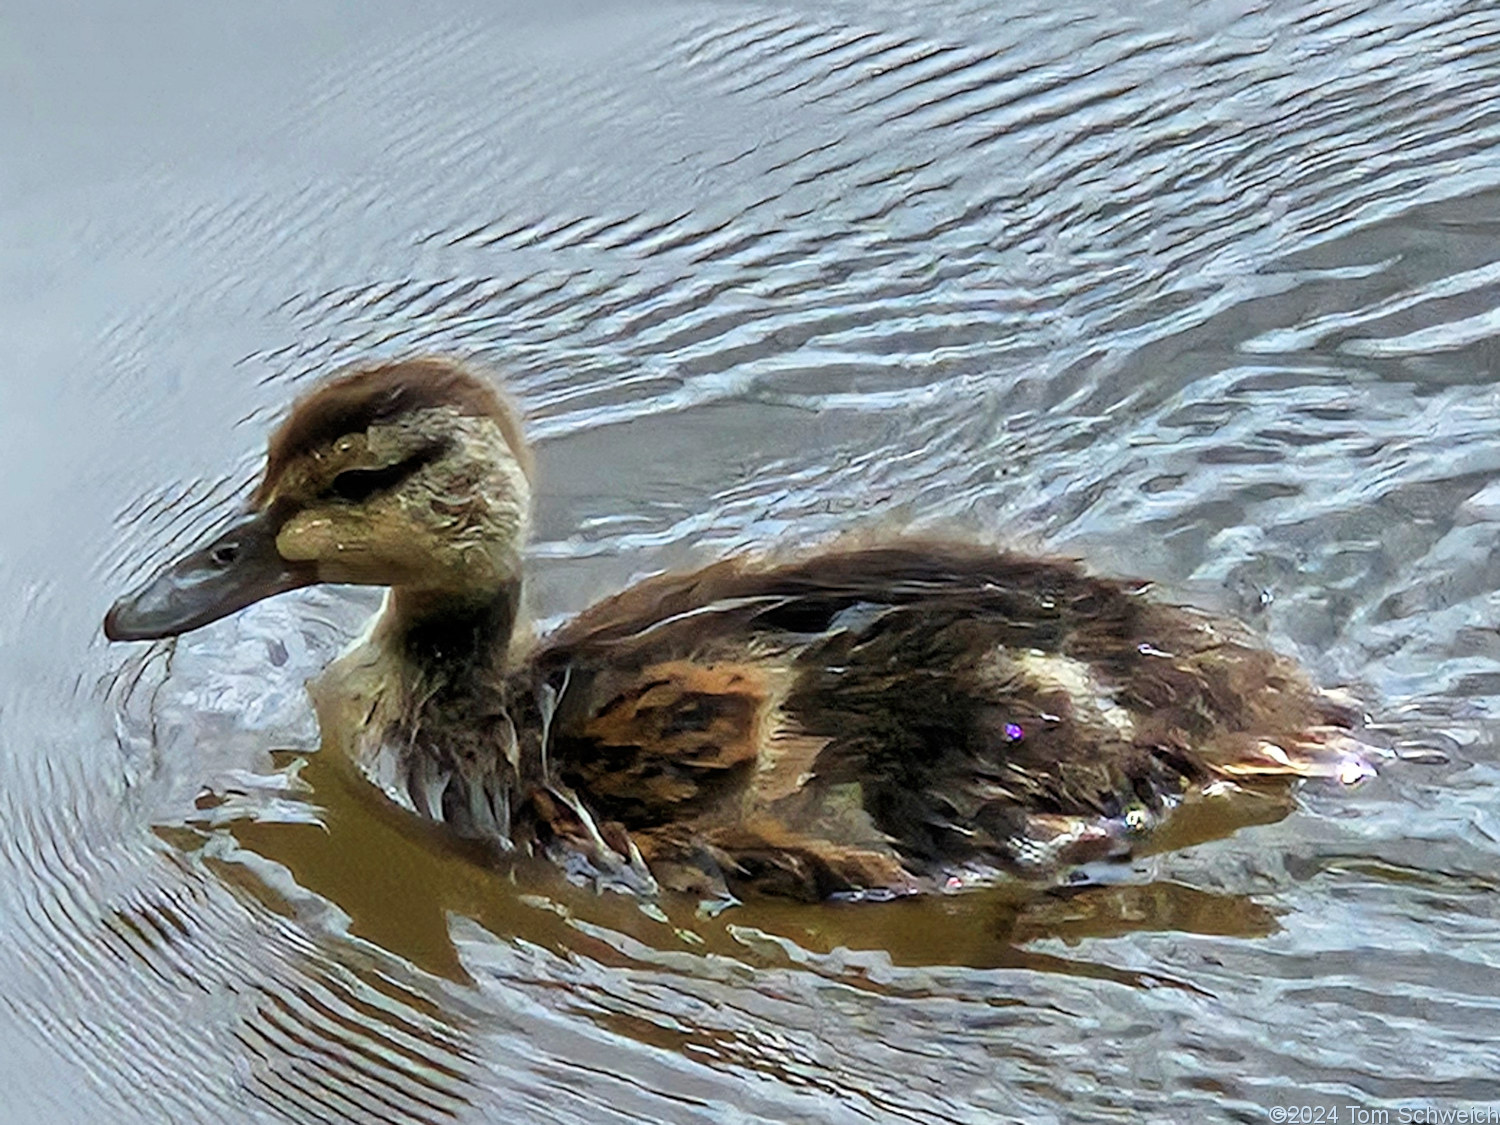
(307, 537)
(1093, 701)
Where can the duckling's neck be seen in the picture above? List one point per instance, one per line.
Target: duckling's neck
(449, 639)
(422, 706)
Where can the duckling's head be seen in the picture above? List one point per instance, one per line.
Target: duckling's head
(412, 474)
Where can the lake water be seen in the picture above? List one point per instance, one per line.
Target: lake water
(1207, 293)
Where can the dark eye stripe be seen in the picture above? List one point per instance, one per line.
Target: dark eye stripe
(356, 485)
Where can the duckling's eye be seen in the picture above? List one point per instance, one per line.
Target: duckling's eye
(360, 484)
(357, 485)
(224, 553)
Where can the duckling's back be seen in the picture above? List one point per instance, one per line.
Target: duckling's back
(894, 718)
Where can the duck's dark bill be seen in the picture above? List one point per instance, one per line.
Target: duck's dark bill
(239, 567)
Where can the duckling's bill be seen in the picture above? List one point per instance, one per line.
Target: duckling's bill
(239, 566)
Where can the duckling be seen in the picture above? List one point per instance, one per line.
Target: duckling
(871, 720)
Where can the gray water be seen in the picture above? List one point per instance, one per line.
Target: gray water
(1207, 293)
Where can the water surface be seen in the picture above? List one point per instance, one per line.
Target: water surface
(1201, 292)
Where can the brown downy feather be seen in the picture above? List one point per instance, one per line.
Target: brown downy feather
(361, 397)
(883, 718)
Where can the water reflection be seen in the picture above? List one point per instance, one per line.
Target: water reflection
(398, 879)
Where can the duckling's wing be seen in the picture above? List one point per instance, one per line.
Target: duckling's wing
(867, 717)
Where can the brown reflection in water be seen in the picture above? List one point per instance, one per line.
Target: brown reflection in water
(398, 878)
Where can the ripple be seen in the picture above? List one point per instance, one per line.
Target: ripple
(1207, 296)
